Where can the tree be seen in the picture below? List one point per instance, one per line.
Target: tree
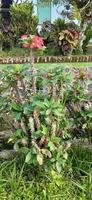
(81, 9)
(17, 18)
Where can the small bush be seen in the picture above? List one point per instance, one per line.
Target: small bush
(43, 109)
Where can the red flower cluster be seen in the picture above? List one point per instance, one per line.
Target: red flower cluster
(33, 42)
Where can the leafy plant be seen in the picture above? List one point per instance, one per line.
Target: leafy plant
(88, 35)
(60, 37)
(22, 21)
(68, 41)
(42, 109)
(22, 18)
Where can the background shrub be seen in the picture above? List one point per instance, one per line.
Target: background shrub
(23, 21)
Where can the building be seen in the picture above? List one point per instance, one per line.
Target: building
(45, 11)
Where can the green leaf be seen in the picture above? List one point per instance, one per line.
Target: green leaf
(11, 68)
(40, 159)
(37, 134)
(24, 150)
(16, 146)
(89, 115)
(65, 155)
(39, 104)
(18, 67)
(48, 120)
(57, 113)
(28, 157)
(44, 130)
(46, 103)
(16, 107)
(58, 167)
(18, 133)
(48, 112)
(55, 139)
(27, 108)
(17, 115)
(51, 146)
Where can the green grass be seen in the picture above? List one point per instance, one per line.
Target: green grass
(18, 181)
(54, 65)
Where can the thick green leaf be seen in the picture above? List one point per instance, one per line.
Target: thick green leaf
(17, 115)
(16, 146)
(58, 167)
(16, 107)
(18, 133)
(28, 157)
(51, 146)
(48, 112)
(65, 155)
(37, 134)
(89, 115)
(11, 68)
(44, 130)
(40, 159)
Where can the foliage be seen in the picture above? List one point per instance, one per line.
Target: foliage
(88, 34)
(14, 52)
(42, 109)
(59, 25)
(46, 33)
(22, 21)
(1, 37)
(76, 9)
(51, 35)
(68, 41)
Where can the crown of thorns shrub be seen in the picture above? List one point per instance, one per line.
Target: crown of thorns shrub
(43, 109)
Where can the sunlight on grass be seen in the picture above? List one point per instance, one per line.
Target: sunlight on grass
(53, 65)
(19, 182)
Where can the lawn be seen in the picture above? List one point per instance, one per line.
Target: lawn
(19, 182)
(52, 65)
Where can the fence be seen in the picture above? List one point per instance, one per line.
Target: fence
(46, 59)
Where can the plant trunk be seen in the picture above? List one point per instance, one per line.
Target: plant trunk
(33, 71)
(82, 36)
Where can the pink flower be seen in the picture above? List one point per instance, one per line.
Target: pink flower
(37, 42)
(33, 43)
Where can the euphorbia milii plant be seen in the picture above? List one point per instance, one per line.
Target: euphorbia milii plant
(32, 42)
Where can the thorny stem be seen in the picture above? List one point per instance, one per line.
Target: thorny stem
(33, 72)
